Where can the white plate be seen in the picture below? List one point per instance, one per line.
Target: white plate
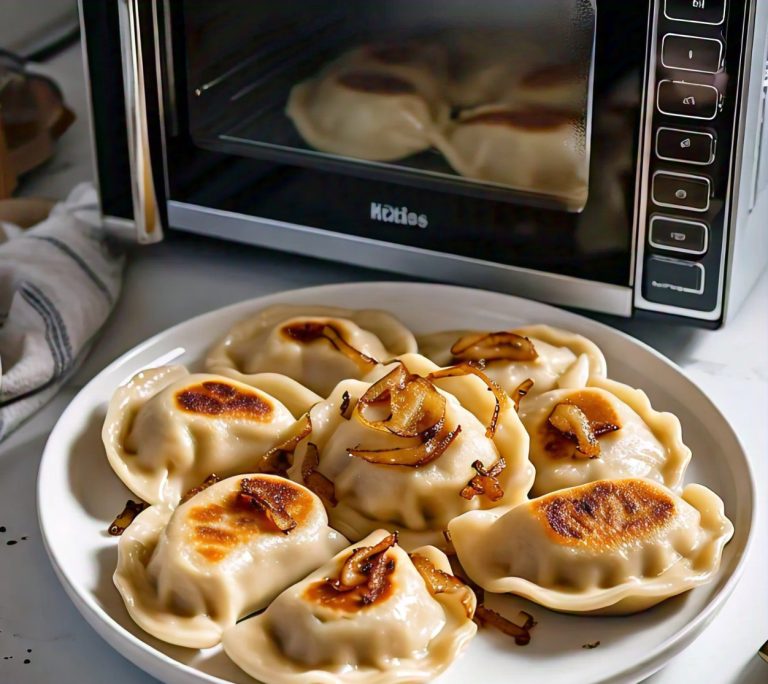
(78, 496)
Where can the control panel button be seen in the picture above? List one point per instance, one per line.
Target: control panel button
(665, 276)
(690, 100)
(681, 190)
(689, 53)
(691, 147)
(697, 11)
(679, 235)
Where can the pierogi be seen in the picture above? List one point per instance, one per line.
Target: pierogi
(317, 346)
(187, 574)
(166, 430)
(538, 150)
(625, 437)
(379, 103)
(612, 546)
(389, 625)
(548, 356)
(426, 463)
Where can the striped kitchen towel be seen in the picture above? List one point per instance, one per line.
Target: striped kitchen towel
(58, 283)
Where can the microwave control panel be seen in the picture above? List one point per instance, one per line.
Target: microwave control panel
(690, 133)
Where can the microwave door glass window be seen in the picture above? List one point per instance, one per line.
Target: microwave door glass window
(492, 98)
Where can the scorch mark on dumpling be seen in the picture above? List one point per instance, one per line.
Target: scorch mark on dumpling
(212, 398)
(605, 514)
(217, 529)
(364, 579)
(308, 332)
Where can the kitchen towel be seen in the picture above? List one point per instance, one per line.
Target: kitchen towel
(58, 283)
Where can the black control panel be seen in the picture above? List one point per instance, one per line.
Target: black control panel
(698, 65)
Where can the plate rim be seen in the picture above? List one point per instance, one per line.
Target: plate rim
(142, 654)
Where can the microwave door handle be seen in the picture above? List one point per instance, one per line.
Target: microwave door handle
(149, 227)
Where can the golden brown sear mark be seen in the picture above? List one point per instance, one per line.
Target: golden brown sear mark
(527, 119)
(602, 416)
(218, 528)
(375, 83)
(605, 514)
(349, 601)
(307, 332)
(216, 398)
(363, 579)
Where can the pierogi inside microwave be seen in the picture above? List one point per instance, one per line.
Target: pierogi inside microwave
(402, 91)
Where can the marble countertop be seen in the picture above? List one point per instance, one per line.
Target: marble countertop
(41, 633)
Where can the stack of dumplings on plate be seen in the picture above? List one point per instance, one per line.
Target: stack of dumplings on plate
(305, 491)
(494, 104)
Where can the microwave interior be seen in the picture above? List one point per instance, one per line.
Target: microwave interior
(501, 130)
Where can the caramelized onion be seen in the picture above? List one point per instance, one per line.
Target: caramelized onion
(357, 568)
(494, 346)
(266, 498)
(126, 517)
(520, 392)
(414, 404)
(439, 582)
(522, 633)
(413, 457)
(212, 479)
(485, 482)
(315, 481)
(468, 369)
(344, 406)
(277, 459)
(378, 569)
(570, 421)
(312, 330)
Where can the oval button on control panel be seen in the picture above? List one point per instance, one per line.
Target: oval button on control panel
(691, 53)
(681, 190)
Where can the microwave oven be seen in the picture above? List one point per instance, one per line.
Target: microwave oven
(609, 156)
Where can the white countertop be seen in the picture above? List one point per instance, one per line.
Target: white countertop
(186, 276)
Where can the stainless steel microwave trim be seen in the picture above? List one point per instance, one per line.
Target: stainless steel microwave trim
(161, 114)
(702, 38)
(695, 21)
(751, 260)
(729, 223)
(88, 97)
(677, 219)
(643, 144)
(145, 209)
(690, 176)
(687, 132)
(361, 251)
(687, 116)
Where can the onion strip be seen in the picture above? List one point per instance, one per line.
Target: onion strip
(494, 346)
(314, 480)
(468, 369)
(277, 459)
(413, 457)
